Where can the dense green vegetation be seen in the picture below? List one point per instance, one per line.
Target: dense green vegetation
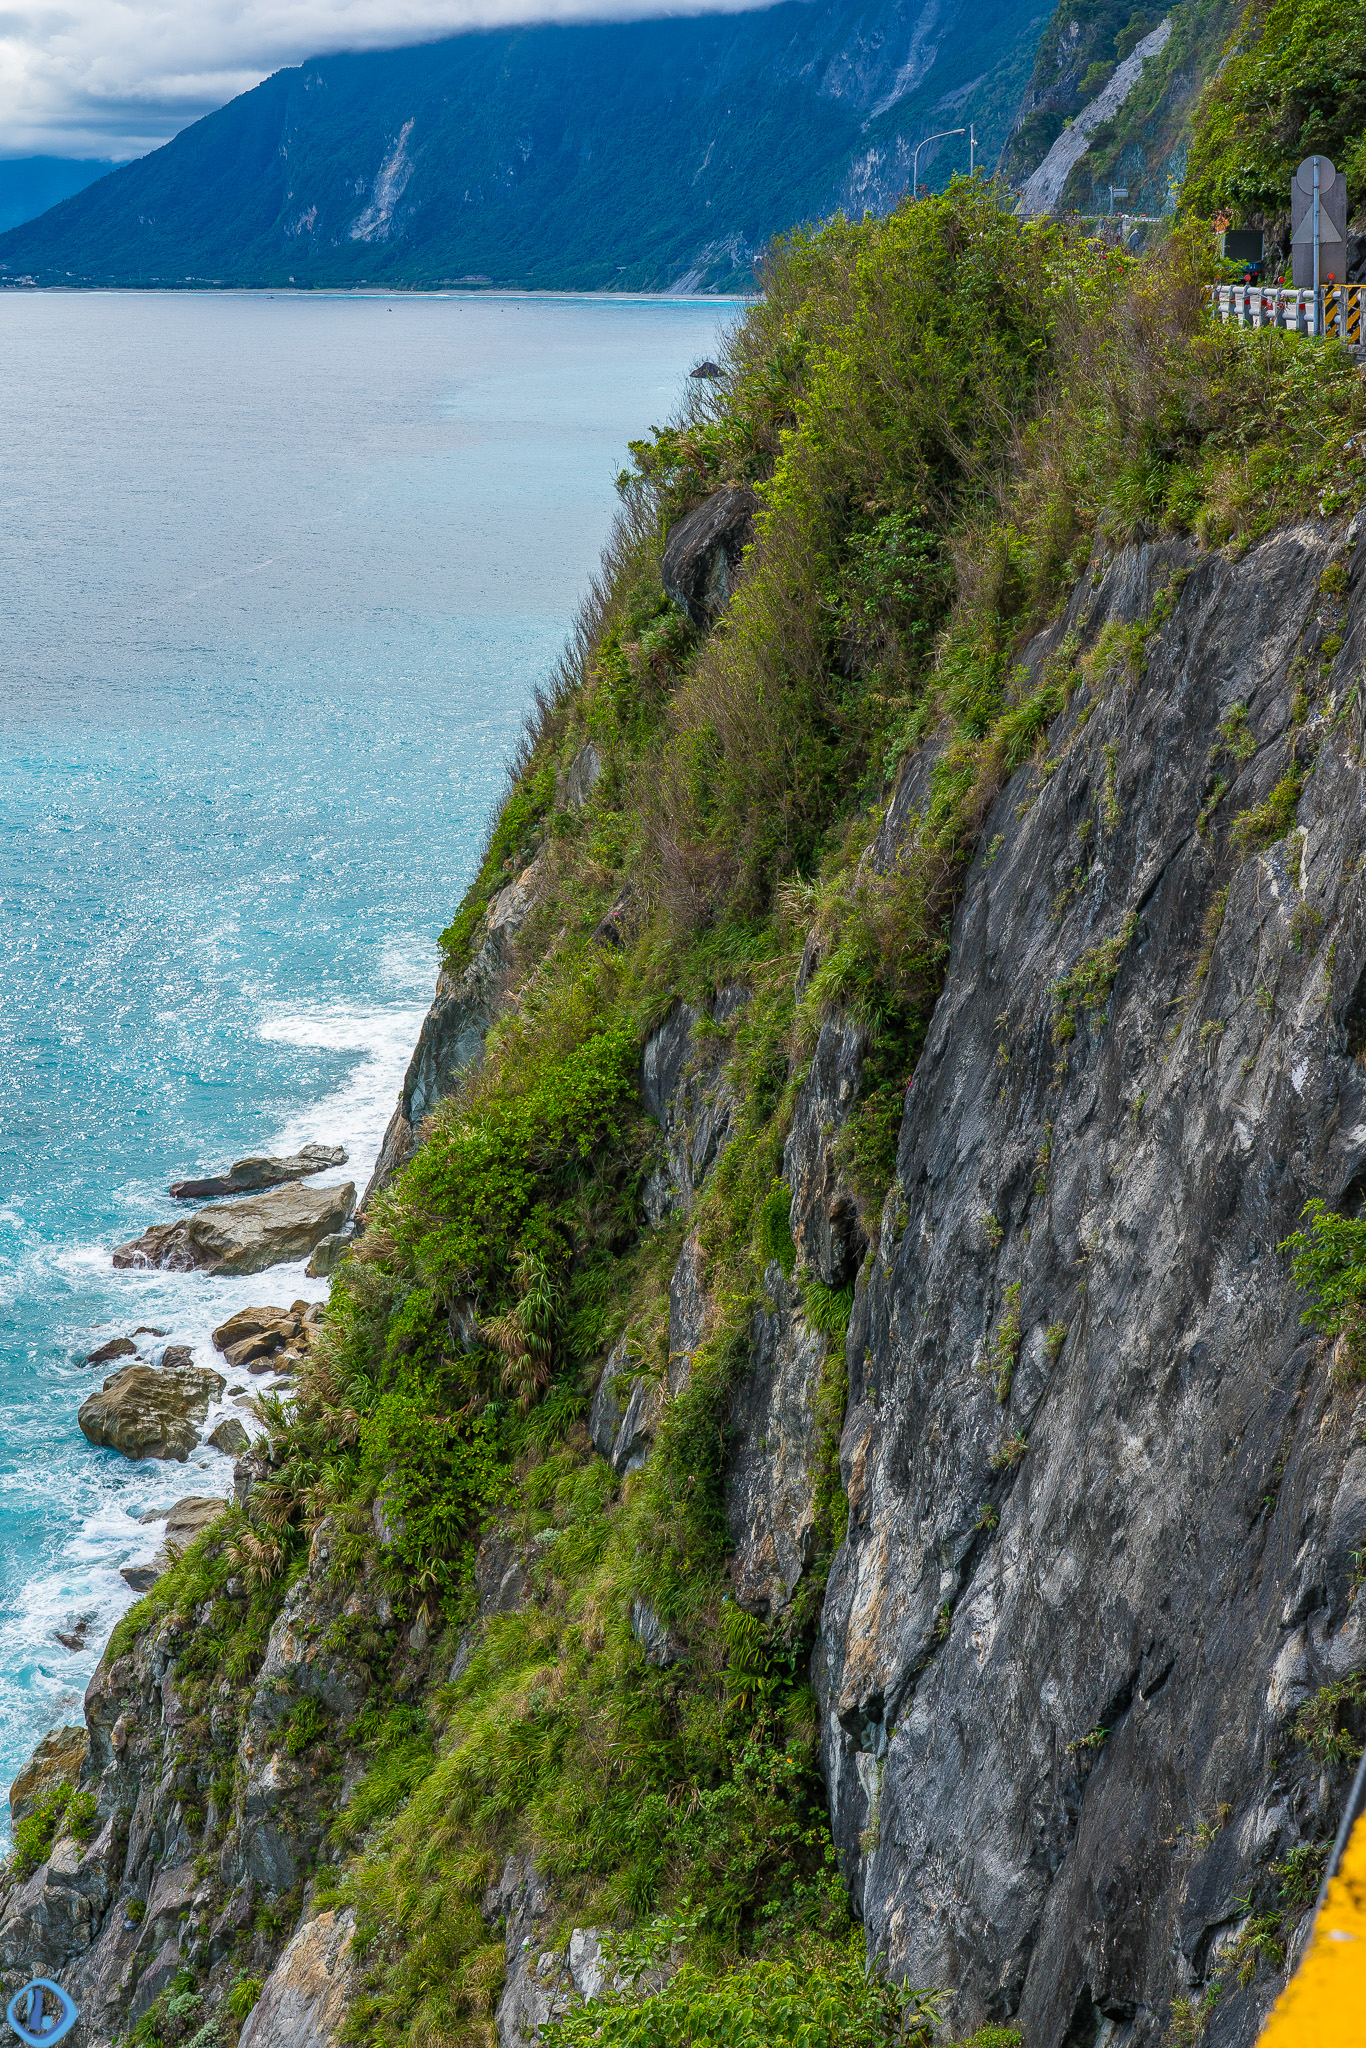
(946, 414)
(1294, 83)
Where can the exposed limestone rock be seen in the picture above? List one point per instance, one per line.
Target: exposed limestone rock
(244, 1237)
(625, 1412)
(197, 1873)
(577, 786)
(770, 1472)
(304, 1999)
(500, 1574)
(327, 1255)
(57, 1760)
(610, 1399)
(683, 1088)
(538, 1987)
(825, 1222)
(454, 1028)
(654, 1638)
(258, 1340)
(1169, 1558)
(247, 1323)
(246, 1176)
(150, 1411)
(229, 1437)
(704, 551)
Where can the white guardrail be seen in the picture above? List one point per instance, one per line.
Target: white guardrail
(1334, 309)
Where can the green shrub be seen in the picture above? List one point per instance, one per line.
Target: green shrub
(828, 1308)
(1087, 985)
(1269, 820)
(821, 1997)
(1330, 1266)
(37, 1831)
(1293, 84)
(243, 1995)
(1320, 1721)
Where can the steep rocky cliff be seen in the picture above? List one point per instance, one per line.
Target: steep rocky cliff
(815, 1449)
(1106, 1499)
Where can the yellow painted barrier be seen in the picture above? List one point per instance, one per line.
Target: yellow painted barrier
(1324, 2004)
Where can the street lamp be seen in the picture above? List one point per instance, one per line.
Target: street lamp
(915, 159)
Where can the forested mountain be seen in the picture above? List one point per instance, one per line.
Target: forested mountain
(641, 155)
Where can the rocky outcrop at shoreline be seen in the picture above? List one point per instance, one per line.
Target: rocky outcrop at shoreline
(267, 1339)
(244, 1237)
(149, 1411)
(248, 1176)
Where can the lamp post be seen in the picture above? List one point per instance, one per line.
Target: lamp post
(915, 159)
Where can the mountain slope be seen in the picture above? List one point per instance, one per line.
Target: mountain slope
(636, 156)
(29, 185)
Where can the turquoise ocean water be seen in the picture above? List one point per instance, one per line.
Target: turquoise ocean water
(277, 576)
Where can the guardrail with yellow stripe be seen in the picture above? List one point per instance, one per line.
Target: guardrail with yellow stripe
(1334, 309)
(1324, 2004)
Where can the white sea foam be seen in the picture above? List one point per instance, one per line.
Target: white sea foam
(82, 1579)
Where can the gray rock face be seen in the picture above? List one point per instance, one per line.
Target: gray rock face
(582, 777)
(824, 1217)
(454, 1029)
(150, 1411)
(684, 1090)
(770, 1476)
(625, 1413)
(303, 2001)
(244, 1237)
(247, 1176)
(1087, 1226)
(538, 1987)
(197, 1872)
(327, 1255)
(704, 551)
(500, 1574)
(229, 1437)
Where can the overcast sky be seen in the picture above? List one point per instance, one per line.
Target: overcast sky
(113, 78)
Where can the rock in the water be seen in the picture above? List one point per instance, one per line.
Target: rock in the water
(56, 1761)
(150, 1412)
(140, 1577)
(117, 1347)
(709, 370)
(327, 1255)
(73, 1636)
(244, 1237)
(304, 1999)
(703, 552)
(248, 1322)
(246, 1176)
(229, 1437)
(193, 1513)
